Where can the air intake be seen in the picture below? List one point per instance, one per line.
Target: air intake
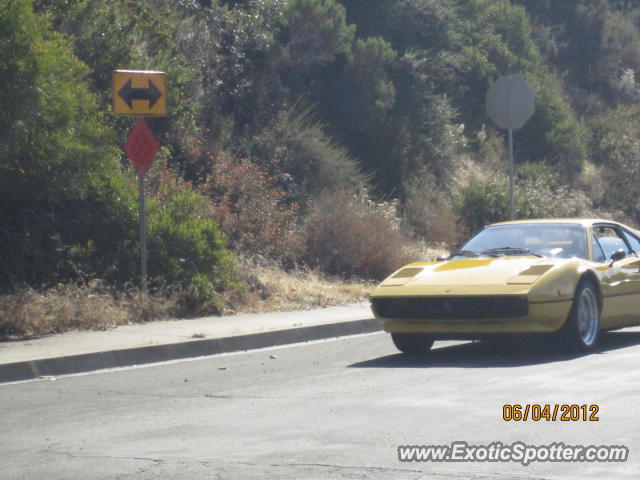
(408, 272)
(536, 270)
(499, 306)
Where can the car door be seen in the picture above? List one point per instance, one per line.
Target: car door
(621, 279)
(631, 267)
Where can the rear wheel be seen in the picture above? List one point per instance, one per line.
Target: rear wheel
(582, 329)
(414, 344)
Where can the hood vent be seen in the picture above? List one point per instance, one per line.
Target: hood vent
(535, 270)
(408, 272)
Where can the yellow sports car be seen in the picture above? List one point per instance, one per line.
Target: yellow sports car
(574, 277)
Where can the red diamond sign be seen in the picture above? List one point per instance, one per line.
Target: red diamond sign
(141, 146)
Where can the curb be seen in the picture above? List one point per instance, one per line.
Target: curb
(11, 372)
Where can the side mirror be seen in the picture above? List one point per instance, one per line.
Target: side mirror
(617, 255)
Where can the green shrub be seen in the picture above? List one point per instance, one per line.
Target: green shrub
(308, 154)
(188, 255)
(616, 147)
(536, 196)
(483, 202)
(187, 250)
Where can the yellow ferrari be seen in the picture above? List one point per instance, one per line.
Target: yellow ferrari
(573, 277)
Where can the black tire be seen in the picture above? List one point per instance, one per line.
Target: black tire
(414, 344)
(582, 329)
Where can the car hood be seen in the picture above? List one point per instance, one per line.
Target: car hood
(474, 271)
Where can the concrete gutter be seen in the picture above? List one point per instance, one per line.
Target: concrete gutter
(140, 344)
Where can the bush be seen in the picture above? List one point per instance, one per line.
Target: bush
(430, 214)
(253, 210)
(187, 250)
(307, 158)
(483, 202)
(616, 146)
(313, 159)
(345, 236)
(536, 196)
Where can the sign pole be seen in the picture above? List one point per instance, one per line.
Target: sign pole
(143, 235)
(511, 175)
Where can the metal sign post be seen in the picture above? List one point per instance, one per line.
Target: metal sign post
(143, 234)
(510, 103)
(512, 212)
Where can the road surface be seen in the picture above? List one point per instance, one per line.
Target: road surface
(331, 409)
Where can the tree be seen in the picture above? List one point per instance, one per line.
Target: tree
(316, 32)
(500, 43)
(62, 197)
(616, 146)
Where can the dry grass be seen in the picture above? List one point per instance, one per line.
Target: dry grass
(93, 307)
(70, 307)
(272, 289)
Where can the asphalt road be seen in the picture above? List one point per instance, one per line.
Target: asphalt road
(334, 409)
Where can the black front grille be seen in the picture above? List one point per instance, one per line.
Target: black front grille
(499, 306)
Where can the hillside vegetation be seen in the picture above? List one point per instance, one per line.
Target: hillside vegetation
(342, 136)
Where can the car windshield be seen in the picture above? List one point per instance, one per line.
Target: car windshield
(557, 240)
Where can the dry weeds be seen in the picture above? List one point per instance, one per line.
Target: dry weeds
(69, 307)
(28, 312)
(95, 306)
(272, 289)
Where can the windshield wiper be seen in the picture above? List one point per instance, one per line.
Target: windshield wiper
(511, 251)
(471, 253)
(464, 253)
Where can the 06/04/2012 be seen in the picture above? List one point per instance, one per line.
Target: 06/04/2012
(550, 413)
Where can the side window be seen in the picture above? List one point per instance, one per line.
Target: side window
(598, 253)
(610, 240)
(633, 241)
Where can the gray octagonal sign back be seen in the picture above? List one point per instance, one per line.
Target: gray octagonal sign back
(510, 102)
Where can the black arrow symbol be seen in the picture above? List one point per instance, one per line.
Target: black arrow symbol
(151, 93)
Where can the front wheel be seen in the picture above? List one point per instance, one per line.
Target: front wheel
(414, 344)
(582, 329)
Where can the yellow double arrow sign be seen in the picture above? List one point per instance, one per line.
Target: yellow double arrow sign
(139, 92)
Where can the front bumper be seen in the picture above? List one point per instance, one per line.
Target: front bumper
(542, 317)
